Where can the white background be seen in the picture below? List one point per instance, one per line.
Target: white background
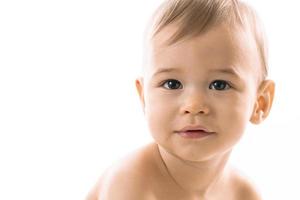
(69, 109)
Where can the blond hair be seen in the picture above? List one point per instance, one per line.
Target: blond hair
(194, 17)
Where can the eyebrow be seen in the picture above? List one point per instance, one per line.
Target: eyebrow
(165, 70)
(229, 71)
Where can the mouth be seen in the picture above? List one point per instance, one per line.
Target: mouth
(194, 132)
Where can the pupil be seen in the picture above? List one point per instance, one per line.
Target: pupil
(172, 84)
(219, 84)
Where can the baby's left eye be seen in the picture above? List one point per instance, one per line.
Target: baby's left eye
(219, 85)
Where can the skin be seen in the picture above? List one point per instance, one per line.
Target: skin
(212, 80)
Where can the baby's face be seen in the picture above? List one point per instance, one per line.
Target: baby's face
(210, 80)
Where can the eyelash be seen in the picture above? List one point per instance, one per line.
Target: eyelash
(227, 85)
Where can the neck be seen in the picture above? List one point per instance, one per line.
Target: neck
(196, 178)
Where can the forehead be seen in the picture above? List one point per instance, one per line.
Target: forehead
(220, 46)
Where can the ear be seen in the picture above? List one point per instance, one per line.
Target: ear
(139, 84)
(263, 102)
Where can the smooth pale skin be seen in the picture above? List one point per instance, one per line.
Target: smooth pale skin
(178, 168)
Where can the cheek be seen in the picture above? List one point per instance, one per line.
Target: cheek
(235, 113)
(159, 112)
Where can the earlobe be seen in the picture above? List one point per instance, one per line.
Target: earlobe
(263, 102)
(139, 84)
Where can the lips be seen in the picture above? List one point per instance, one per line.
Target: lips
(194, 128)
(194, 132)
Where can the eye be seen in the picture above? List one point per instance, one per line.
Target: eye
(219, 85)
(172, 84)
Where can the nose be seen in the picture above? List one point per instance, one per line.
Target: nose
(195, 103)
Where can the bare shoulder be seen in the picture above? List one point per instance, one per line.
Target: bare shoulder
(128, 179)
(245, 188)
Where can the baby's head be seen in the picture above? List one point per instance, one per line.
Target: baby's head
(192, 18)
(205, 67)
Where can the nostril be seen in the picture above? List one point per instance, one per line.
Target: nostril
(203, 111)
(194, 106)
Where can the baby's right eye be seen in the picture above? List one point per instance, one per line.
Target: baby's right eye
(172, 84)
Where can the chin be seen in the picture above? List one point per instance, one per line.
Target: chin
(192, 156)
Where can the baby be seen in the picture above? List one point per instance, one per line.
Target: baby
(204, 78)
